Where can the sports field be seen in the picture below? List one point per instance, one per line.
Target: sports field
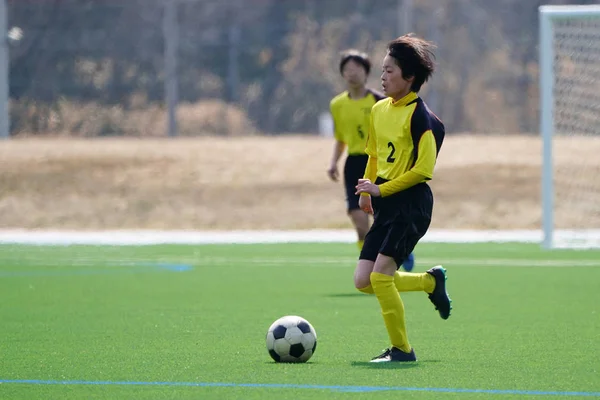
(189, 322)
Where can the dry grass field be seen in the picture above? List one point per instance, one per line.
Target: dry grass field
(487, 182)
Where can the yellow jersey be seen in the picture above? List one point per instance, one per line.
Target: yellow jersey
(404, 136)
(351, 119)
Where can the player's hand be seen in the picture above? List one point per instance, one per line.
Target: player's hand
(364, 202)
(366, 186)
(333, 172)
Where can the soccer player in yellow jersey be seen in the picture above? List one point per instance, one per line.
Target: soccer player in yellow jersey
(405, 138)
(351, 112)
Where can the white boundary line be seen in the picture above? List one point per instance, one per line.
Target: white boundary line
(150, 237)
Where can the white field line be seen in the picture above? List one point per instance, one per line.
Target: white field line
(151, 237)
(114, 261)
(350, 262)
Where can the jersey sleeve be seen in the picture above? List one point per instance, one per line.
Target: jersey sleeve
(370, 172)
(371, 169)
(424, 143)
(426, 157)
(403, 182)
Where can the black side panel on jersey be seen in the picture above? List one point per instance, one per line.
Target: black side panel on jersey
(421, 121)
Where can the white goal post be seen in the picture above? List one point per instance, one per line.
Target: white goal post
(569, 45)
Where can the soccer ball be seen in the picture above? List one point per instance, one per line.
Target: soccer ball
(291, 339)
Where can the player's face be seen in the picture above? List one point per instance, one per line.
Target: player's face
(392, 82)
(354, 74)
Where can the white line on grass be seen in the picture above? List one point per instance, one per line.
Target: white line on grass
(149, 237)
(319, 262)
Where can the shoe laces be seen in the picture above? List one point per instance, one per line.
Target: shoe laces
(385, 353)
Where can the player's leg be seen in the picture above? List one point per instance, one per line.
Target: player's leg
(416, 215)
(432, 282)
(362, 276)
(392, 310)
(414, 282)
(404, 282)
(395, 247)
(354, 169)
(373, 241)
(360, 220)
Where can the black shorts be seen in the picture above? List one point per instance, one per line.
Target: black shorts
(401, 220)
(354, 169)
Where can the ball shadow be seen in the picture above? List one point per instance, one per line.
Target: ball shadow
(386, 365)
(291, 363)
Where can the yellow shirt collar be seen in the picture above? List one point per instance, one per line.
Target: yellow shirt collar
(405, 100)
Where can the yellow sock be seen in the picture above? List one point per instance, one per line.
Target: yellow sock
(360, 244)
(367, 290)
(411, 282)
(392, 309)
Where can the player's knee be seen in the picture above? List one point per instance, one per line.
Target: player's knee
(362, 275)
(385, 265)
(361, 282)
(362, 278)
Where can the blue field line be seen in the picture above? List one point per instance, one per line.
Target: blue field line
(167, 266)
(335, 388)
(108, 270)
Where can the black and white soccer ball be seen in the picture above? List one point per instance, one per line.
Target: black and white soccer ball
(291, 339)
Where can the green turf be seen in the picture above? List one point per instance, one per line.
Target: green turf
(523, 319)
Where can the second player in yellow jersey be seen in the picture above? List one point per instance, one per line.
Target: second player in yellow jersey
(351, 112)
(351, 118)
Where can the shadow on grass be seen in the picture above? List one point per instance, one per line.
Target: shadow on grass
(393, 365)
(385, 365)
(342, 295)
(290, 364)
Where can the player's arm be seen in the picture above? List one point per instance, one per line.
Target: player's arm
(338, 150)
(371, 169)
(338, 147)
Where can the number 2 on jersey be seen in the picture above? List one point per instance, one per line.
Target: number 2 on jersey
(391, 158)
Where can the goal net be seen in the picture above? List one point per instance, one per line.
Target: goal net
(570, 125)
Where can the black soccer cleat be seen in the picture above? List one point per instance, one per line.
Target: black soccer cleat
(395, 355)
(439, 297)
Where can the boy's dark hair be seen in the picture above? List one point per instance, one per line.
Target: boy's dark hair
(415, 57)
(356, 56)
